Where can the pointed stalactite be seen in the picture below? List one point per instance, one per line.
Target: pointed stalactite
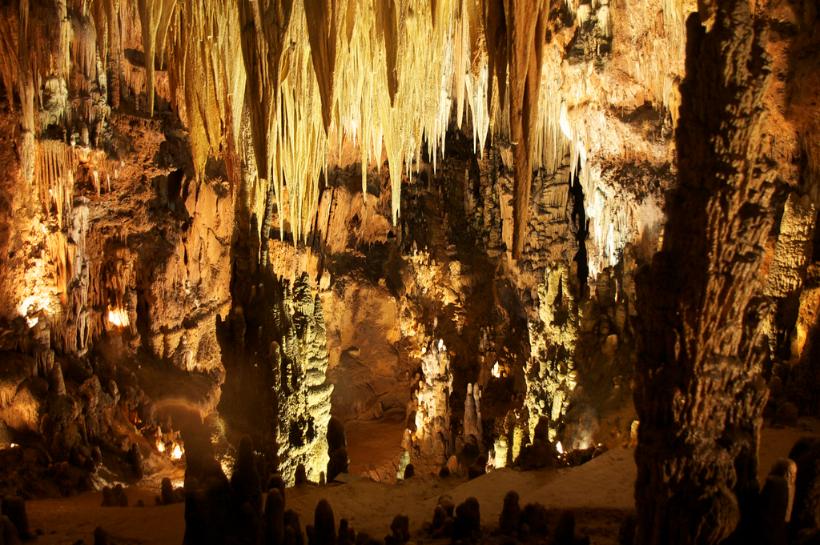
(107, 16)
(207, 78)
(386, 25)
(495, 36)
(264, 26)
(525, 37)
(9, 60)
(26, 91)
(155, 18)
(322, 16)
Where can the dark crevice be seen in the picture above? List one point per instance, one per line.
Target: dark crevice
(580, 226)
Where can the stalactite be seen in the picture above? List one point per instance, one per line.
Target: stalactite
(207, 76)
(264, 27)
(300, 139)
(107, 16)
(9, 60)
(323, 21)
(61, 261)
(84, 50)
(525, 34)
(412, 63)
(54, 178)
(155, 18)
(77, 330)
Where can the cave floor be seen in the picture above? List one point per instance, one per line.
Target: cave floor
(600, 492)
(374, 448)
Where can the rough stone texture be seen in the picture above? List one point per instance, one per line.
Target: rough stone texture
(701, 394)
(432, 434)
(283, 333)
(550, 374)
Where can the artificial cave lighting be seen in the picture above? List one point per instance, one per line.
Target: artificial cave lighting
(173, 449)
(117, 317)
(169, 444)
(32, 304)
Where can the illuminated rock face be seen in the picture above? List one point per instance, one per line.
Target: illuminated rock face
(550, 374)
(432, 435)
(301, 389)
(472, 415)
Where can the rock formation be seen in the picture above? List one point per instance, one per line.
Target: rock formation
(550, 374)
(701, 388)
(432, 434)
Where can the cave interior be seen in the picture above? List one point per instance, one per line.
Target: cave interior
(396, 257)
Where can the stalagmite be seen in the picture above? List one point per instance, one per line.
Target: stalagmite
(300, 363)
(472, 413)
(431, 435)
(701, 394)
(550, 374)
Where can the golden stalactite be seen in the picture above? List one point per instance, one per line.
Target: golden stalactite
(155, 18)
(9, 60)
(107, 16)
(84, 54)
(495, 36)
(301, 141)
(525, 20)
(54, 178)
(471, 76)
(323, 20)
(387, 76)
(58, 250)
(385, 24)
(207, 76)
(35, 58)
(264, 25)
(109, 279)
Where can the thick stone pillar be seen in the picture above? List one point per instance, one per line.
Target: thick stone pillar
(700, 394)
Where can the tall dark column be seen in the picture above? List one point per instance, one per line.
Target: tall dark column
(700, 393)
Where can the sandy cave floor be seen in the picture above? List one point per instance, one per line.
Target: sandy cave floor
(600, 492)
(374, 447)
